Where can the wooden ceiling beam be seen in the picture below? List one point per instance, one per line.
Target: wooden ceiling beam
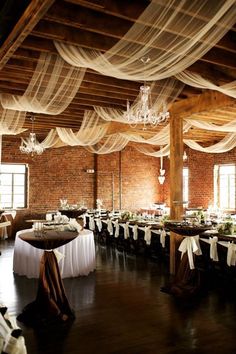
(103, 43)
(23, 27)
(77, 16)
(208, 101)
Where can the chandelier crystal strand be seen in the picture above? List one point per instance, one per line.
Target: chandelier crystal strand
(142, 111)
(31, 145)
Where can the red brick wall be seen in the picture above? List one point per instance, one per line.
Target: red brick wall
(201, 166)
(127, 177)
(134, 177)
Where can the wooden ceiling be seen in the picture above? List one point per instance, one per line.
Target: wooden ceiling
(29, 27)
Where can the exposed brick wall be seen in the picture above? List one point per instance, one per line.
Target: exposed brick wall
(129, 176)
(201, 182)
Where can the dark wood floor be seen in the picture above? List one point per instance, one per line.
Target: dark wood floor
(121, 310)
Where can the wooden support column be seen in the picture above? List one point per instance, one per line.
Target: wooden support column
(95, 181)
(176, 184)
(120, 180)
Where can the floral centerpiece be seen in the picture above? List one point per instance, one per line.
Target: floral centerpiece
(226, 228)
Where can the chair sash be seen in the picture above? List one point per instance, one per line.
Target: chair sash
(191, 245)
(109, 227)
(91, 223)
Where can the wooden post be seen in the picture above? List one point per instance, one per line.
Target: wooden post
(95, 181)
(120, 180)
(176, 184)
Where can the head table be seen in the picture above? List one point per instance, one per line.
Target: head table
(51, 304)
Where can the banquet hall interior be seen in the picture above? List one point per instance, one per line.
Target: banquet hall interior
(117, 176)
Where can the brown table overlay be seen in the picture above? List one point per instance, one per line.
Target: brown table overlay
(51, 304)
(187, 282)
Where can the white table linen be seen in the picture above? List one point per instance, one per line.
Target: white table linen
(79, 256)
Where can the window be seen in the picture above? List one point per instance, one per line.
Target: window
(224, 186)
(185, 184)
(13, 186)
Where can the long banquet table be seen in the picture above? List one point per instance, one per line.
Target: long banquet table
(78, 256)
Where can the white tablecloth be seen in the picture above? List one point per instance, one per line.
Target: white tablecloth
(79, 256)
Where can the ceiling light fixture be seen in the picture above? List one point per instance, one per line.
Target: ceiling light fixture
(143, 111)
(31, 145)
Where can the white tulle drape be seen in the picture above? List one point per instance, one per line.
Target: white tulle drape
(173, 33)
(11, 122)
(226, 144)
(52, 87)
(92, 130)
(227, 127)
(160, 138)
(150, 151)
(112, 143)
(110, 114)
(163, 92)
(197, 80)
(51, 140)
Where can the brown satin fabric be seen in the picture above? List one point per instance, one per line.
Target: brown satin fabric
(51, 304)
(187, 281)
(51, 297)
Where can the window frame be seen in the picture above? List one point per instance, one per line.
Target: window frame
(217, 192)
(25, 185)
(185, 185)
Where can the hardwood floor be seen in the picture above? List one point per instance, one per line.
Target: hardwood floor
(120, 310)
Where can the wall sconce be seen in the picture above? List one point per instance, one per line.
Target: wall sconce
(90, 170)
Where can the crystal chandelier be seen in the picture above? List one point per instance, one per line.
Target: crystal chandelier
(31, 145)
(143, 111)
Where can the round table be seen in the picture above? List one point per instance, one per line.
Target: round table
(78, 256)
(51, 305)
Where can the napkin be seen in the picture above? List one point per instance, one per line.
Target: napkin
(74, 225)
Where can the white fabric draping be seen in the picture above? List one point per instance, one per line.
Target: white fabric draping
(109, 226)
(126, 229)
(231, 254)
(79, 256)
(52, 87)
(227, 127)
(8, 343)
(163, 238)
(91, 223)
(99, 224)
(92, 130)
(197, 80)
(150, 151)
(174, 34)
(135, 231)
(147, 233)
(163, 93)
(117, 228)
(213, 247)
(11, 122)
(226, 144)
(190, 245)
(112, 143)
(160, 138)
(51, 139)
